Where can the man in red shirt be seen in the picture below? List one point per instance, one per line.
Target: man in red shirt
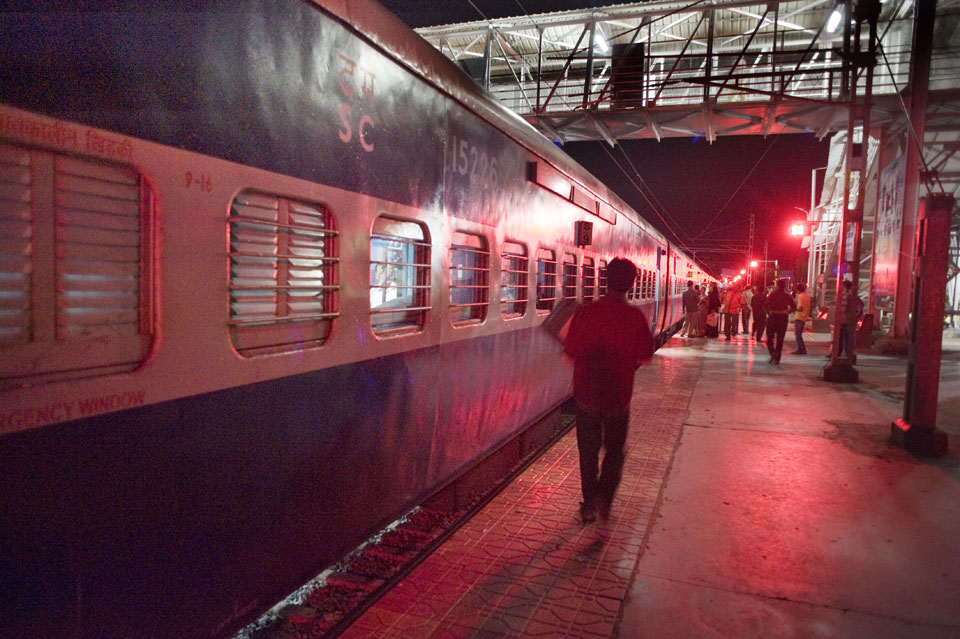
(608, 339)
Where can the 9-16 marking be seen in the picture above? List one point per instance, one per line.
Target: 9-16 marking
(467, 159)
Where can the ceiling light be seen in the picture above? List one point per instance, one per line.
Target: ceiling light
(834, 20)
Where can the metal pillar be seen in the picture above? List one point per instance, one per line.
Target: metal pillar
(924, 14)
(917, 429)
(860, 61)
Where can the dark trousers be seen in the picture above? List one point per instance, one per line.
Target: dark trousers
(730, 324)
(798, 333)
(759, 325)
(776, 331)
(593, 431)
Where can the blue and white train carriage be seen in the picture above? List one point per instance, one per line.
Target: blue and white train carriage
(271, 273)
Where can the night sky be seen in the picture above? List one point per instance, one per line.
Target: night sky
(703, 191)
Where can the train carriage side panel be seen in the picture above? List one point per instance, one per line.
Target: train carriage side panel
(229, 478)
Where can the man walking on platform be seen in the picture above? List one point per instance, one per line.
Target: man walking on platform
(691, 306)
(759, 306)
(779, 306)
(801, 318)
(608, 339)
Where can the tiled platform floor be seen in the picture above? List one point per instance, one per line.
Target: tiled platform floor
(525, 566)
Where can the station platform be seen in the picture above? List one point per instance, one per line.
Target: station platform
(757, 501)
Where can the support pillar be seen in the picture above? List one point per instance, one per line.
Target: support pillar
(859, 63)
(918, 89)
(917, 429)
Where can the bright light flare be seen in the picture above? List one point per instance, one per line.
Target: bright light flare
(599, 42)
(796, 229)
(754, 264)
(835, 19)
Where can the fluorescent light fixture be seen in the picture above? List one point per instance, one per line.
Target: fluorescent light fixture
(834, 20)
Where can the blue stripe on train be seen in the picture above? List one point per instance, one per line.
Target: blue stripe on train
(183, 518)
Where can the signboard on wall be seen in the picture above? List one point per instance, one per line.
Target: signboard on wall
(889, 223)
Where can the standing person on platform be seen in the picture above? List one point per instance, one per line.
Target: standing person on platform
(691, 302)
(759, 307)
(745, 311)
(608, 339)
(713, 308)
(732, 302)
(801, 318)
(704, 310)
(779, 306)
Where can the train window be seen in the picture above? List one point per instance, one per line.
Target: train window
(589, 279)
(602, 278)
(546, 279)
(513, 280)
(399, 276)
(469, 278)
(75, 279)
(283, 291)
(635, 292)
(569, 276)
(647, 284)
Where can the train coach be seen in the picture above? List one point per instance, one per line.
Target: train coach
(271, 273)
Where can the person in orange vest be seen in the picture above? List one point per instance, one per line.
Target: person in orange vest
(732, 301)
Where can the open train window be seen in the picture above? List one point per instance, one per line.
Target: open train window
(546, 279)
(75, 278)
(399, 276)
(283, 291)
(569, 276)
(514, 267)
(602, 278)
(589, 279)
(469, 278)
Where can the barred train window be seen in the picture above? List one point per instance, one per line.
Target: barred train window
(469, 278)
(546, 279)
(399, 276)
(283, 294)
(602, 279)
(74, 279)
(569, 276)
(635, 292)
(589, 279)
(514, 265)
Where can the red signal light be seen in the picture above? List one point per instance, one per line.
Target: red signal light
(798, 229)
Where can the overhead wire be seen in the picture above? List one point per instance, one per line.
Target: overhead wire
(653, 207)
(737, 190)
(477, 9)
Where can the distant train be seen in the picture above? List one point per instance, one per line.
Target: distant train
(271, 273)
